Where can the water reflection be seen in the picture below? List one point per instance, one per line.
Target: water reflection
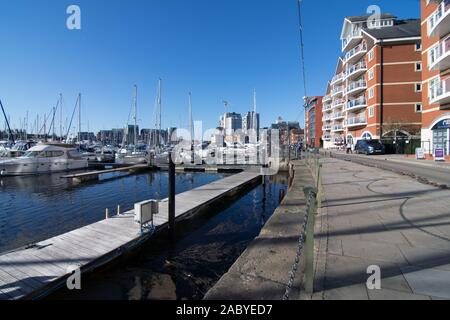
(205, 248)
(39, 207)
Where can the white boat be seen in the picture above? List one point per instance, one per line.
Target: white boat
(44, 158)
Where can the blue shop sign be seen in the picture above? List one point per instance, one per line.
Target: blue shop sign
(443, 124)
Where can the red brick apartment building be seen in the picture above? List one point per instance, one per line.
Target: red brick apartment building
(376, 92)
(313, 121)
(436, 75)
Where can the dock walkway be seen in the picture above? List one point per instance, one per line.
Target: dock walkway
(35, 271)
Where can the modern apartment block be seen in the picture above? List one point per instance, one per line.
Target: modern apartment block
(376, 90)
(436, 75)
(313, 121)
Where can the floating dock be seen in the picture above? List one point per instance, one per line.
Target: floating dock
(37, 270)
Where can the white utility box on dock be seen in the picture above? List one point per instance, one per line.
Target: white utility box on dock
(144, 211)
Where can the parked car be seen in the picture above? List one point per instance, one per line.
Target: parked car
(369, 147)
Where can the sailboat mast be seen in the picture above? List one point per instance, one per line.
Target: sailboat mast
(159, 109)
(79, 118)
(11, 136)
(135, 116)
(60, 118)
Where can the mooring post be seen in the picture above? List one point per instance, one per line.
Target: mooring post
(118, 210)
(107, 213)
(171, 196)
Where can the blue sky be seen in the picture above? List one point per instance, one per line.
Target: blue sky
(215, 49)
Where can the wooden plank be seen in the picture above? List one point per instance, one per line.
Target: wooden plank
(36, 267)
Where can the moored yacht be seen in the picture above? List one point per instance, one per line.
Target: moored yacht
(44, 158)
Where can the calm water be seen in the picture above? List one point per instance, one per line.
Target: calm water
(205, 248)
(37, 208)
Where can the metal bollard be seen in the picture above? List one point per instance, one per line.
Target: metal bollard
(107, 213)
(118, 210)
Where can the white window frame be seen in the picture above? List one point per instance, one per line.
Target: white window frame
(371, 54)
(418, 66)
(418, 107)
(415, 87)
(371, 112)
(371, 74)
(418, 46)
(371, 93)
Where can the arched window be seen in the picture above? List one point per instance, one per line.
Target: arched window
(367, 136)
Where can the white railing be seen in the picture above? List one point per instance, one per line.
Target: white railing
(337, 115)
(439, 89)
(337, 77)
(362, 48)
(326, 138)
(356, 85)
(355, 68)
(438, 15)
(338, 128)
(326, 118)
(438, 52)
(326, 108)
(356, 103)
(356, 121)
(357, 33)
(326, 128)
(336, 90)
(327, 97)
(337, 102)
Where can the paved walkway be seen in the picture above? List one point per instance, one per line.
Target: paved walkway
(376, 217)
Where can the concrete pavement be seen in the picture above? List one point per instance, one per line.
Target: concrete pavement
(376, 217)
(437, 174)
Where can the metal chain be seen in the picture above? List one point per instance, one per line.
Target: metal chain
(301, 242)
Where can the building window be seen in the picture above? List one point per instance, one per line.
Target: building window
(418, 46)
(418, 107)
(371, 74)
(419, 66)
(371, 55)
(371, 93)
(418, 87)
(371, 112)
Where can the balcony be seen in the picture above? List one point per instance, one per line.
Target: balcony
(326, 128)
(356, 87)
(356, 121)
(337, 78)
(326, 118)
(337, 116)
(326, 137)
(355, 71)
(327, 98)
(326, 108)
(337, 128)
(440, 91)
(439, 21)
(356, 53)
(439, 56)
(337, 91)
(352, 40)
(337, 103)
(356, 104)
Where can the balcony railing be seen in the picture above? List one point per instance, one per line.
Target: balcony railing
(337, 78)
(337, 115)
(438, 18)
(356, 85)
(326, 118)
(326, 108)
(439, 55)
(337, 128)
(327, 98)
(337, 90)
(326, 138)
(359, 49)
(356, 104)
(360, 66)
(440, 91)
(355, 34)
(356, 121)
(326, 128)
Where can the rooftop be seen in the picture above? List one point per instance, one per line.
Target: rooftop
(401, 29)
(366, 17)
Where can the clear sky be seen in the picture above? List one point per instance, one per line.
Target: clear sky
(217, 49)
